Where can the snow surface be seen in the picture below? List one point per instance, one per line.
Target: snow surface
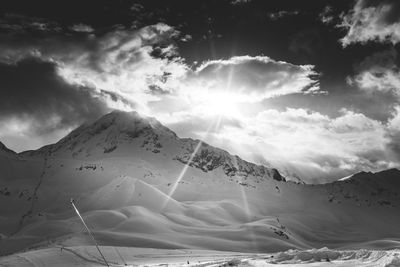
(125, 173)
(124, 256)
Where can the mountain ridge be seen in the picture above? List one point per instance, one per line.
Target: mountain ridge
(118, 130)
(147, 125)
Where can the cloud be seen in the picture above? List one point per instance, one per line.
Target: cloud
(371, 20)
(129, 63)
(393, 135)
(143, 65)
(122, 61)
(379, 76)
(317, 147)
(326, 16)
(328, 147)
(378, 73)
(301, 129)
(255, 78)
(240, 2)
(20, 23)
(81, 28)
(141, 69)
(282, 14)
(35, 101)
(56, 82)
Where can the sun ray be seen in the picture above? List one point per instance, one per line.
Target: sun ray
(227, 89)
(248, 213)
(249, 218)
(185, 167)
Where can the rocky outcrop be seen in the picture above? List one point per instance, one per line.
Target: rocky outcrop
(208, 158)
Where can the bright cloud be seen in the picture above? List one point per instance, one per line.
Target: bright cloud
(143, 65)
(81, 28)
(372, 21)
(123, 63)
(313, 144)
(255, 78)
(378, 73)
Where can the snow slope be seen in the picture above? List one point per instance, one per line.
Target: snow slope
(127, 256)
(139, 185)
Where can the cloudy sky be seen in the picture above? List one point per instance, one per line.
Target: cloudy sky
(311, 87)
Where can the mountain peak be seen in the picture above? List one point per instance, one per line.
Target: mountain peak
(129, 134)
(107, 133)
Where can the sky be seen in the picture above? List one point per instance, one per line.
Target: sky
(310, 87)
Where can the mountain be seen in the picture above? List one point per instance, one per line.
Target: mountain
(137, 183)
(129, 134)
(389, 177)
(111, 131)
(5, 151)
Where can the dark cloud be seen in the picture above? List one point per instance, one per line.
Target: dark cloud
(385, 59)
(77, 42)
(18, 45)
(20, 23)
(393, 144)
(33, 89)
(392, 135)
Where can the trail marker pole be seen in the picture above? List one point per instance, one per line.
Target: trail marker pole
(88, 230)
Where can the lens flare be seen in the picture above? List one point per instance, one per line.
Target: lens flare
(185, 167)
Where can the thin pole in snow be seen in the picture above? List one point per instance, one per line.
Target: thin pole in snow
(119, 254)
(88, 230)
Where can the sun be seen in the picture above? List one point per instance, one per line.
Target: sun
(218, 103)
(223, 104)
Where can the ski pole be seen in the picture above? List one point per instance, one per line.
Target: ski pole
(88, 230)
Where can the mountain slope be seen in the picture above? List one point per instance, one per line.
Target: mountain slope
(129, 134)
(138, 184)
(5, 151)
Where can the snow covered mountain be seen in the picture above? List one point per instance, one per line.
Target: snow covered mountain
(138, 184)
(129, 134)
